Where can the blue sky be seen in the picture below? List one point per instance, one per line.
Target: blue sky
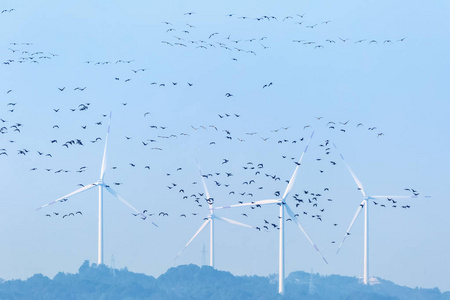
(399, 87)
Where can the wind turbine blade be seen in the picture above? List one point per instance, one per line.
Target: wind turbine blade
(296, 220)
(195, 235)
(358, 183)
(84, 188)
(114, 193)
(396, 197)
(232, 221)
(102, 173)
(260, 202)
(292, 180)
(351, 224)
(203, 180)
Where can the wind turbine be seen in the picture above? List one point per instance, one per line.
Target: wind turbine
(283, 205)
(210, 219)
(100, 184)
(364, 204)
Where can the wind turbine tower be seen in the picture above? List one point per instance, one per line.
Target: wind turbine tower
(203, 255)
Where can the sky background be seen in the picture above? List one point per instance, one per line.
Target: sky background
(394, 79)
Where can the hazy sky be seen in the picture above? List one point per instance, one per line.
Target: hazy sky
(380, 63)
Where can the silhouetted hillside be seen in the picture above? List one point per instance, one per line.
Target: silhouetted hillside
(193, 282)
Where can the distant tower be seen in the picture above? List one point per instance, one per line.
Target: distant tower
(113, 266)
(312, 289)
(203, 255)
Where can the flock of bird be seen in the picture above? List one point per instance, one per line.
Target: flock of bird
(8, 10)
(24, 53)
(314, 204)
(254, 178)
(308, 203)
(188, 35)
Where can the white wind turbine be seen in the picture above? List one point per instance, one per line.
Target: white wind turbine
(283, 205)
(101, 184)
(365, 204)
(210, 219)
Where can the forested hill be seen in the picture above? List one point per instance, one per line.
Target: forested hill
(193, 282)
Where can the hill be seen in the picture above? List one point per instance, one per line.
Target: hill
(194, 282)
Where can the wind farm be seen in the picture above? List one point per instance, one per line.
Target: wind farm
(245, 88)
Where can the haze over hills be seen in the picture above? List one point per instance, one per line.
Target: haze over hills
(194, 282)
